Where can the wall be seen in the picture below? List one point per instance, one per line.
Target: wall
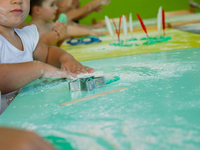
(146, 8)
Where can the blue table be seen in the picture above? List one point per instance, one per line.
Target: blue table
(159, 110)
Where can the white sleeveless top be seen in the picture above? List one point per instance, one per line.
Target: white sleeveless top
(10, 54)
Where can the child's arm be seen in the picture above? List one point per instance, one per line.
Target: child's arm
(16, 75)
(76, 31)
(21, 140)
(77, 14)
(93, 26)
(97, 9)
(53, 37)
(49, 38)
(59, 58)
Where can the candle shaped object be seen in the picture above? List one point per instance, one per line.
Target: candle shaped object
(159, 20)
(131, 23)
(125, 28)
(108, 24)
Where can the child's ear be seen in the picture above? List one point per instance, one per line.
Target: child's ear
(36, 10)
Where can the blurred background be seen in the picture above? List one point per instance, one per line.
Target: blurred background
(146, 8)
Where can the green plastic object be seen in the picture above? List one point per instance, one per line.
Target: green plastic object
(62, 18)
(161, 40)
(116, 78)
(168, 37)
(121, 44)
(150, 42)
(132, 39)
(157, 39)
(146, 38)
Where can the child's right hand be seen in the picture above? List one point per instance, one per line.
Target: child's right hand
(51, 71)
(61, 29)
(59, 73)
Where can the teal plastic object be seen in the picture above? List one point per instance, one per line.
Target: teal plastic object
(116, 78)
(62, 18)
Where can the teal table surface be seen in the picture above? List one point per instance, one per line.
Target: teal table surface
(160, 109)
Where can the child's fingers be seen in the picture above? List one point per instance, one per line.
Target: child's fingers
(105, 2)
(60, 73)
(89, 70)
(61, 28)
(70, 74)
(83, 70)
(63, 25)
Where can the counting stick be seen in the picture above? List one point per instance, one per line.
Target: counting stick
(142, 24)
(163, 20)
(92, 96)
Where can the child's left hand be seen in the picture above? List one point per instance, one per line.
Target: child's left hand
(61, 29)
(76, 67)
(98, 9)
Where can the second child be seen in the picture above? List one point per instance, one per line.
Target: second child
(43, 12)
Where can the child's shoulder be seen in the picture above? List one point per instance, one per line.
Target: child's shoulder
(29, 30)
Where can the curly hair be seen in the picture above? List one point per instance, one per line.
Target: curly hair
(35, 3)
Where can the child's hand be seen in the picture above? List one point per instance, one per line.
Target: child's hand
(61, 29)
(93, 33)
(59, 73)
(51, 71)
(21, 140)
(98, 9)
(76, 67)
(105, 2)
(99, 25)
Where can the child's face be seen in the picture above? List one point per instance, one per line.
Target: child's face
(49, 9)
(13, 12)
(76, 4)
(68, 4)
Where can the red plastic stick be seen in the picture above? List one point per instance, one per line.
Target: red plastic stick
(142, 24)
(120, 21)
(163, 20)
(117, 31)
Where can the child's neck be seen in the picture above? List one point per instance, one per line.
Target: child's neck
(7, 31)
(39, 21)
(9, 34)
(42, 25)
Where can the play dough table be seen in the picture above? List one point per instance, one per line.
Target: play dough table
(180, 40)
(159, 109)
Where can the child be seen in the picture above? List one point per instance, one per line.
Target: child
(18, 48)
(14, 139)
(74, 13)
(22, 58)
(42, 11)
